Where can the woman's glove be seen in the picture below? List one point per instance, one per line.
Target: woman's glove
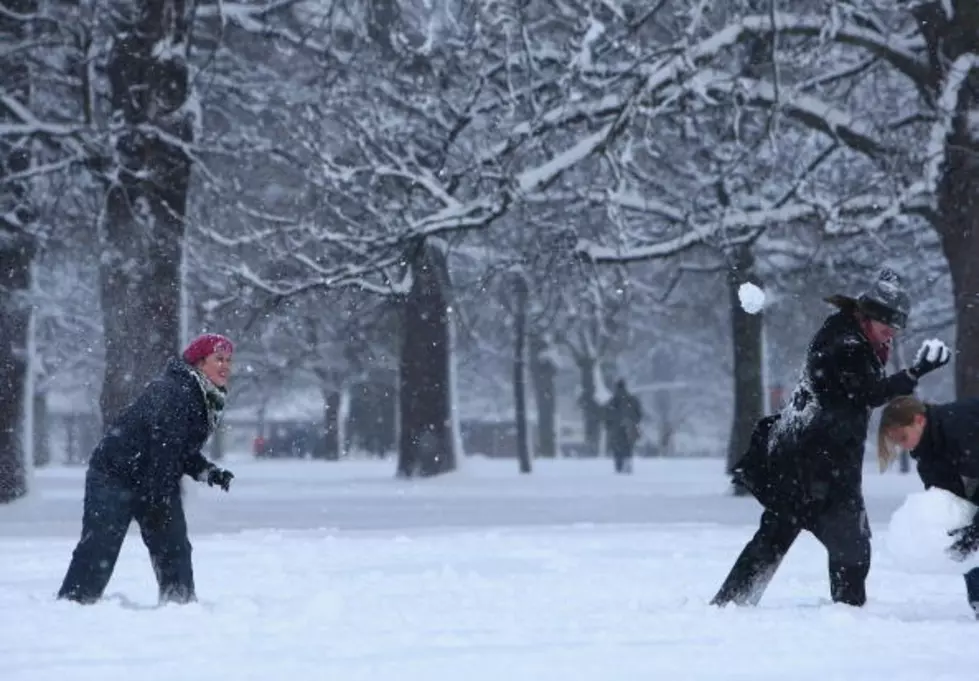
(220, 477)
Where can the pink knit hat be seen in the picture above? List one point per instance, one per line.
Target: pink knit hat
(205, 345)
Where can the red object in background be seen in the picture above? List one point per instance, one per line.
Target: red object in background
(258, 445)
(776, 398)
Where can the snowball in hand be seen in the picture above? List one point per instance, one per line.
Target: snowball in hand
(917, 537)
(933, 350)
(752, 298)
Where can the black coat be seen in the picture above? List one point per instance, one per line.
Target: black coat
(623, 414)
(811, 454)
(948, 452)
(158, 438)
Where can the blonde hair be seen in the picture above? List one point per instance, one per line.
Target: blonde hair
(898, 413)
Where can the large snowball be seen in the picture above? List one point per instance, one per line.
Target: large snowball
(917, 536)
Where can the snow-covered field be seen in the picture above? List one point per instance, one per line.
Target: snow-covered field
(316, 571)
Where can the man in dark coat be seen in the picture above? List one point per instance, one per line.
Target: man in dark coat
(944, 442)
(805, 465)
(623, 414)
(135, 473)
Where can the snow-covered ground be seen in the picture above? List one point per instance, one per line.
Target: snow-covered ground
(314, 571)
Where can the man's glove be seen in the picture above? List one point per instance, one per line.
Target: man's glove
(220, 477)
(932, 355)
(966, 542)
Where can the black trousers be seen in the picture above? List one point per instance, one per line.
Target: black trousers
(109, 508)
(621, 446)
(844, 531)
(622, 455)
(972, 589)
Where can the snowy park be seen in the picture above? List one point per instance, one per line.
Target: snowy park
(308, 570)
(454, 340)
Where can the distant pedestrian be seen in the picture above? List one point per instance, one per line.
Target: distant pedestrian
(623, 415)
(135, 472)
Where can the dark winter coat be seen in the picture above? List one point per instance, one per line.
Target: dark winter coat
(158, 438)
(623, 416)
(947, 455)
(811, 455)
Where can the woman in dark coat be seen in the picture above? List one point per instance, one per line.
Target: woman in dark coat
(805, 464)
(135, 472)
(943, 439)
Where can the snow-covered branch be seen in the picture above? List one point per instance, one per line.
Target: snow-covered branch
(903, 53)
(862, 214)
(810, 111)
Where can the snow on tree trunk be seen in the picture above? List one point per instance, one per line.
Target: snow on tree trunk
(543, 373)
(427, 433)
(746, 341)
(143, 226)
(958, 183)
(455, 418)
(17, 250)
(346, 439)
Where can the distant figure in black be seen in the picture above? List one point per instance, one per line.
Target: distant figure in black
(944, 441)
(623, 414)
(135, 473)
(805, 464)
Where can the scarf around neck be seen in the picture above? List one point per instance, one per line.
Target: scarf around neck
(214, 398)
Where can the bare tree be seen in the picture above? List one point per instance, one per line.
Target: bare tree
(17, 249)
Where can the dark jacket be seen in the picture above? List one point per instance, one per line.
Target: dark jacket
(947, 455)
(811, 454)
(158, 438)
(623, 414)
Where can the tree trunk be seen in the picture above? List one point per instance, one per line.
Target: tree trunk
(16, 253)
(42, 449)
(746, 338)
(958, 227)
(591, 410)
(520, 372)
(543, 373)
(146, 203)
(964, 269)
(427, 438)
(666, 422)
(331, 431)
(957, 221)
(17, 249)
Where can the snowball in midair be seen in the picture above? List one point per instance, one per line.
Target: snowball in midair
(752, 298)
